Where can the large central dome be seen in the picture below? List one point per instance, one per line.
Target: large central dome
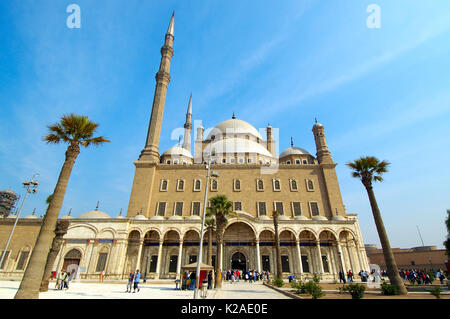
(234, 127)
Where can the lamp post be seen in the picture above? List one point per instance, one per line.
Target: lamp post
(200, 249)
(31, 187)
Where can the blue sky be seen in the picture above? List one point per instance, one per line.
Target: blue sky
(381, 92)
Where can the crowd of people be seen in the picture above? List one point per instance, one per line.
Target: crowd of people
(235, 275)
(63, 279)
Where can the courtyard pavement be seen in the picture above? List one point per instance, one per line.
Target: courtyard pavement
(83, 290)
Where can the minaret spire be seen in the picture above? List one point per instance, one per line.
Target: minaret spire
(188, 126)
(151, 149)
(292, 142)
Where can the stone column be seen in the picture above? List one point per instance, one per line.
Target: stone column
(88, 257)
(258, 257)
(299, 254)
(320, 257)
(138, 261)
(342, 265)
(180, 253)
(158, 263)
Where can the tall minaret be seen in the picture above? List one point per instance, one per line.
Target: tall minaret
(323, 153)
(188, 126)
(151, 151)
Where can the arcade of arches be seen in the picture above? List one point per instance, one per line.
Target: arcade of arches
(161, 256)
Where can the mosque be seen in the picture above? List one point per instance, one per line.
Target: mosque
(161, 230)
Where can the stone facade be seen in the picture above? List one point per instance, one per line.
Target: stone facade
(161, 231)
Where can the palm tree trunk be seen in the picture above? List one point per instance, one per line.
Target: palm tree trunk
(277, 250)
(32, 278)
(210, 246)
(219, 230)
(60, 231)
(391, 265)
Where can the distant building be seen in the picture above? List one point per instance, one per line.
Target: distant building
(423, 257)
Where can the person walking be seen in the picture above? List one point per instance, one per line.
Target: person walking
(137, 278)
(58, 284)
(65, 279)
(350, 276)
(341, 277)
(130, 281)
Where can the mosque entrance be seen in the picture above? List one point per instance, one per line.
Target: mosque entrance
(238, 261)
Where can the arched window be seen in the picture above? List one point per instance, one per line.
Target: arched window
(260, 185)
(276, 185)
(237, 185)
(197, 185)
(214, 185)
(294, 185)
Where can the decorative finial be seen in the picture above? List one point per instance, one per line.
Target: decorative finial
(34, 211)
(315, 119)
(171, 29)
(120, 213)
(179, 141)
(70, 211)
(96, 208)
(233, 117)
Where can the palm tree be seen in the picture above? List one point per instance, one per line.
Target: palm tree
(221, 209)
(74, 130)
(210, 224)
(275, 216)
(369, 169)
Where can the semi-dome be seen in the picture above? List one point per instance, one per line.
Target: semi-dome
(140, 217)
(94, 214)
(294, 150)
(236, 145)
(12, 216)
(234, 126)
(177, 151)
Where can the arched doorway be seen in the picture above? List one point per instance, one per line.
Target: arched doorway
(72, 261)
(239, 262)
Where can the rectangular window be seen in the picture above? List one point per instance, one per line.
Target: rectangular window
(237, 185)
(101, 263)
(278, 206)
(314, 208)
(22, 260)
(305, 263)
(309, 185)
(196, 208)
(237, 206)
(179, 208)
(164, 185)
(161, 208)
(266, 263)
(153, 263)
(325, 264)
(173, 263)
(294, 186)
(262, 208)
(285, 264)
(197, 185)
(296, 208)
(180, 185)
(5, 259)
(276, 185)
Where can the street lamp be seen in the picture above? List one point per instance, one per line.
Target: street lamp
(200, 249)
(31, 187)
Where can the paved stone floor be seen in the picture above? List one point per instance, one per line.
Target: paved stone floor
(80, 290)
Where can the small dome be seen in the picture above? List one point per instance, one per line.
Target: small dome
(120, 217)
(140, 217)
(319, 218)
(177, 151)
(294, 150)
(94, 214)
(12, 216)
(338, 218)
(301, 217)
(317, 124)
(234, 126)
(67, 217)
